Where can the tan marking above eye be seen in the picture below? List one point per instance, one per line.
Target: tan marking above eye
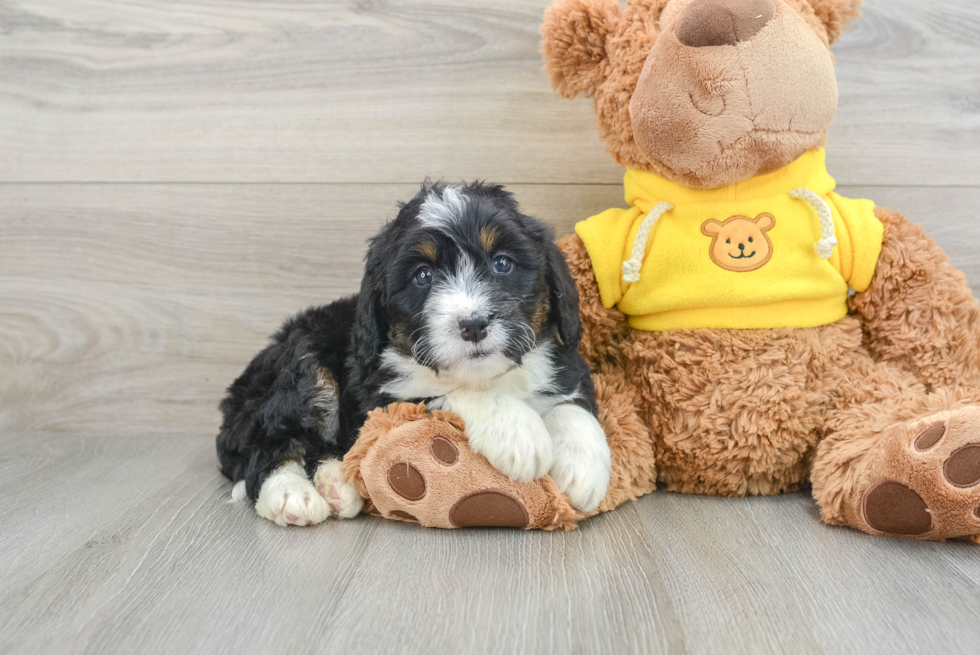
(427, 249)
(488, 238)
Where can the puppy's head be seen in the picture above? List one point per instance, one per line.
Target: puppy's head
(462, 281)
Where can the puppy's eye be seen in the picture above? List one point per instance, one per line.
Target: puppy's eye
(750, 239)
(728, 240)
(503, 265)
(423, 276)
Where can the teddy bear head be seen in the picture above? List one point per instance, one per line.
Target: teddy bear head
(706, 93)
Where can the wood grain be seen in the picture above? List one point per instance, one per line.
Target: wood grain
(154, 560)
(396, 90)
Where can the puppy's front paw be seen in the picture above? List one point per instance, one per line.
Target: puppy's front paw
(514, 440)
(344, 499)
(287, 497)
(582, 478)
(524, 455)
(582, 458)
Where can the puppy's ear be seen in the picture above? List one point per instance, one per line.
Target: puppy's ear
(574, 44)
(836, 14)
(370, 327)
(563, 294)
(564, 297)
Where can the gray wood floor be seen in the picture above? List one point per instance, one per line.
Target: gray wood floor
(175, 178)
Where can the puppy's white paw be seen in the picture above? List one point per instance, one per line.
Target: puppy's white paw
(511, 436)
(344, 499)
(582, 458)
(583, 479)
(287, 497)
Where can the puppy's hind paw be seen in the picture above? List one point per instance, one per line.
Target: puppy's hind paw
(287, 497)
(344, 500)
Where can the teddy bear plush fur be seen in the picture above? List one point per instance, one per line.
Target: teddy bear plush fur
(879, 410)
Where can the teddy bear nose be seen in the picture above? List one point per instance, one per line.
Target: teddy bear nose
(741, 246)
(722, 22)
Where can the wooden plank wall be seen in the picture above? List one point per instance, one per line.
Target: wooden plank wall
(176, 178)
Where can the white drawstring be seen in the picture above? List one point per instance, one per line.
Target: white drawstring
(631, 268)
(824, 247)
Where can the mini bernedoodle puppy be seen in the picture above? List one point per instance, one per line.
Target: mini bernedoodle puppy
(466, 304)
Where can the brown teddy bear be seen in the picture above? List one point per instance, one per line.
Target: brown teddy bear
(748, 328)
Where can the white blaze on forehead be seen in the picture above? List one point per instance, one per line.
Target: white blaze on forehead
(439, 212)
(461, 294)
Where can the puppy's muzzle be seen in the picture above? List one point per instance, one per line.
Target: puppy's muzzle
(474, 328)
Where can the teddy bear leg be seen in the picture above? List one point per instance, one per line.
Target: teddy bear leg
(905, 466)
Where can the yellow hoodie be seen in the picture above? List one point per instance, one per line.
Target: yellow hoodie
(778, 250)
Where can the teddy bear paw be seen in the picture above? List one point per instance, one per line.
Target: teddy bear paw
(424, 471)
(928, 486)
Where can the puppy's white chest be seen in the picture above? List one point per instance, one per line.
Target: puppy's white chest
(531, 382)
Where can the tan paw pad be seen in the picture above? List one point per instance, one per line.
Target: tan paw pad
(962, 469)
(489, 509)
(444, 451)
(893, 508)
(930, 437)
(402, 515)
(406, 481)
(925, 482)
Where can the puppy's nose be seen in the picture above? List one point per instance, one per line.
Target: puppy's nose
(722, 22)
(741, 246)
(474, 328)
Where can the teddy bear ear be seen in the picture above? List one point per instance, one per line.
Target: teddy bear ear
(574, 43)
(711, 228)
(765, 222)
(836, 14)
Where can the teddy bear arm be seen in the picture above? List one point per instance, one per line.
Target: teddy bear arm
(603, 330)
(919, 311)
